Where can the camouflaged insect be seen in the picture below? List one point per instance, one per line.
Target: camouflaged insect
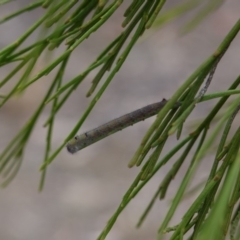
(81, 141)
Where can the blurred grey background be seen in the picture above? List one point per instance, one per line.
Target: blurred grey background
(83, 190)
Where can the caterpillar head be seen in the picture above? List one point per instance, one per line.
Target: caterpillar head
(76, 144)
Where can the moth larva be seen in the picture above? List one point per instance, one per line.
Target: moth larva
(81, 141)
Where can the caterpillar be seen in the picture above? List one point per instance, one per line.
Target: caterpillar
(81, 141)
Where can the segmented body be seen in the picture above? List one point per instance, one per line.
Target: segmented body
(81, 141)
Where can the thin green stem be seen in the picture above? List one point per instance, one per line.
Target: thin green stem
(30, 7)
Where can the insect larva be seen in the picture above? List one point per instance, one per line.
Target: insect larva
(81, 141)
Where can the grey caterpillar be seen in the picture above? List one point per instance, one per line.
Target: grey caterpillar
(81, 141)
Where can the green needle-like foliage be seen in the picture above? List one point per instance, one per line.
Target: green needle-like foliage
(215, 212)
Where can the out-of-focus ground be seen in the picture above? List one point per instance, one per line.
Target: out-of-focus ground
(83, 190)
